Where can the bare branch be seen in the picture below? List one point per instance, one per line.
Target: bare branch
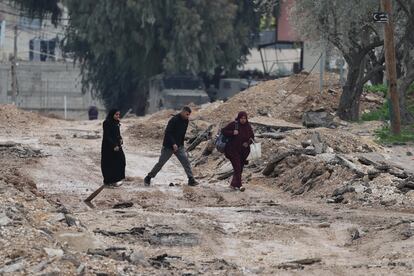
(371, 46)
(404, 7)
(371, 73)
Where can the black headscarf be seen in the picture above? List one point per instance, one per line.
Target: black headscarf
(110, 115)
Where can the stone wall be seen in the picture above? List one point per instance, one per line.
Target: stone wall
(43, 86)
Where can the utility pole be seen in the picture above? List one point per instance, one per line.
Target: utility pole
(13, 68)
(391, 67)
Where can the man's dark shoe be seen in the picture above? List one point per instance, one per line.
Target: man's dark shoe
(147, 180)
(192, 182)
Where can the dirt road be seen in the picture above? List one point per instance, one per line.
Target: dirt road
(209, 229)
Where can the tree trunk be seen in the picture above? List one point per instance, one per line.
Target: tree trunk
(348, 108)
(377, 78)
(403, 86)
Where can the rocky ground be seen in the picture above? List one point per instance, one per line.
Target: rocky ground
(321, 201)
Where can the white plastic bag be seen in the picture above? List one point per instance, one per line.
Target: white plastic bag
(255, 152)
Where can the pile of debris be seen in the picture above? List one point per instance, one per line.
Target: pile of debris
(286, 98)
(12, 117)
(306, 150)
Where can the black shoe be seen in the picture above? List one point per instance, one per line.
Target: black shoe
(192, 182)
(147, 180)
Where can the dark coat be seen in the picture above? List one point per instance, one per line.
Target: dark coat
(235, 151)
(112, 162)
(175, 132)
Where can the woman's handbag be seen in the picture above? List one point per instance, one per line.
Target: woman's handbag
(255, 151)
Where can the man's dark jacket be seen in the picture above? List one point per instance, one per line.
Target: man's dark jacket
(175, 131)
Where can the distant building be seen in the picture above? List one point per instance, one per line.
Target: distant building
(45, 81)
(281, 51)
(37, 39)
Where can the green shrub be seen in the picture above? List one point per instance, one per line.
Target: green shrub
(377, 88)
(385, 136)
(411, 88)
(381, 114)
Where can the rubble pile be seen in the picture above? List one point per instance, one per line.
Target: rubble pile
(285, 98)
(306, 150)
(12, 117)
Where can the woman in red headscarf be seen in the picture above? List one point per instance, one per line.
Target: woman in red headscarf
(238, 148)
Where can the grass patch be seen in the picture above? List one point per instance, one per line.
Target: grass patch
(377, 88)
(380, 114)
(411, 88)
(385, 136)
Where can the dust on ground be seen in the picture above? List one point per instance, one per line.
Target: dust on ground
(321, 201)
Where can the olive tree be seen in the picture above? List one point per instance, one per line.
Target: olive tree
(348, 26)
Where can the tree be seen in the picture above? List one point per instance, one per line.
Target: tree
(348, 26)
(41, 8)
(120, 44)
(405, 46)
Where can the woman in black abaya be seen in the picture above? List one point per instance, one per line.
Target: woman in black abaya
(113, 157)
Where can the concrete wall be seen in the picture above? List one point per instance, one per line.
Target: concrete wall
(275, 60)
(27, 29)
(43, 86)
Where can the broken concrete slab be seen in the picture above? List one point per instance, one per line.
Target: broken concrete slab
(271, 123)
(313, 119)
(317, 143)
(272, 135)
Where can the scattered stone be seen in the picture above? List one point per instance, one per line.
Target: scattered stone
(299, 264)
(354, 233)
(81, 269)
(388, 203)
(89, 136)
(366, 161)
(317, 143)
(324, 225)
(383, 167)
(4, 220)
(372, 173)
(336, 199)
(272, 135)
(343, 190)
(398, 173)
(408, 231)
(314, 119)
(123, 205)
(14, 267)
(356, 169)
(368, 191)
(306, 144)
(70, 221)
(162, 260)
(9, 144)
(57, 218)
(174, 239)
(40, 266)
(308, 261)
(51, 252)
(138, 258)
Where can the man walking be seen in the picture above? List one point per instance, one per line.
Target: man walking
(174, 144)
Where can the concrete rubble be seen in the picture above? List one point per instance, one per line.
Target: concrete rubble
(320, 201)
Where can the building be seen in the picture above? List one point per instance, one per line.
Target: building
(281, 51)
(36, 39)
(45, 80)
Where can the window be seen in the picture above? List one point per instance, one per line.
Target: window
(30, 23)
(42, 50)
